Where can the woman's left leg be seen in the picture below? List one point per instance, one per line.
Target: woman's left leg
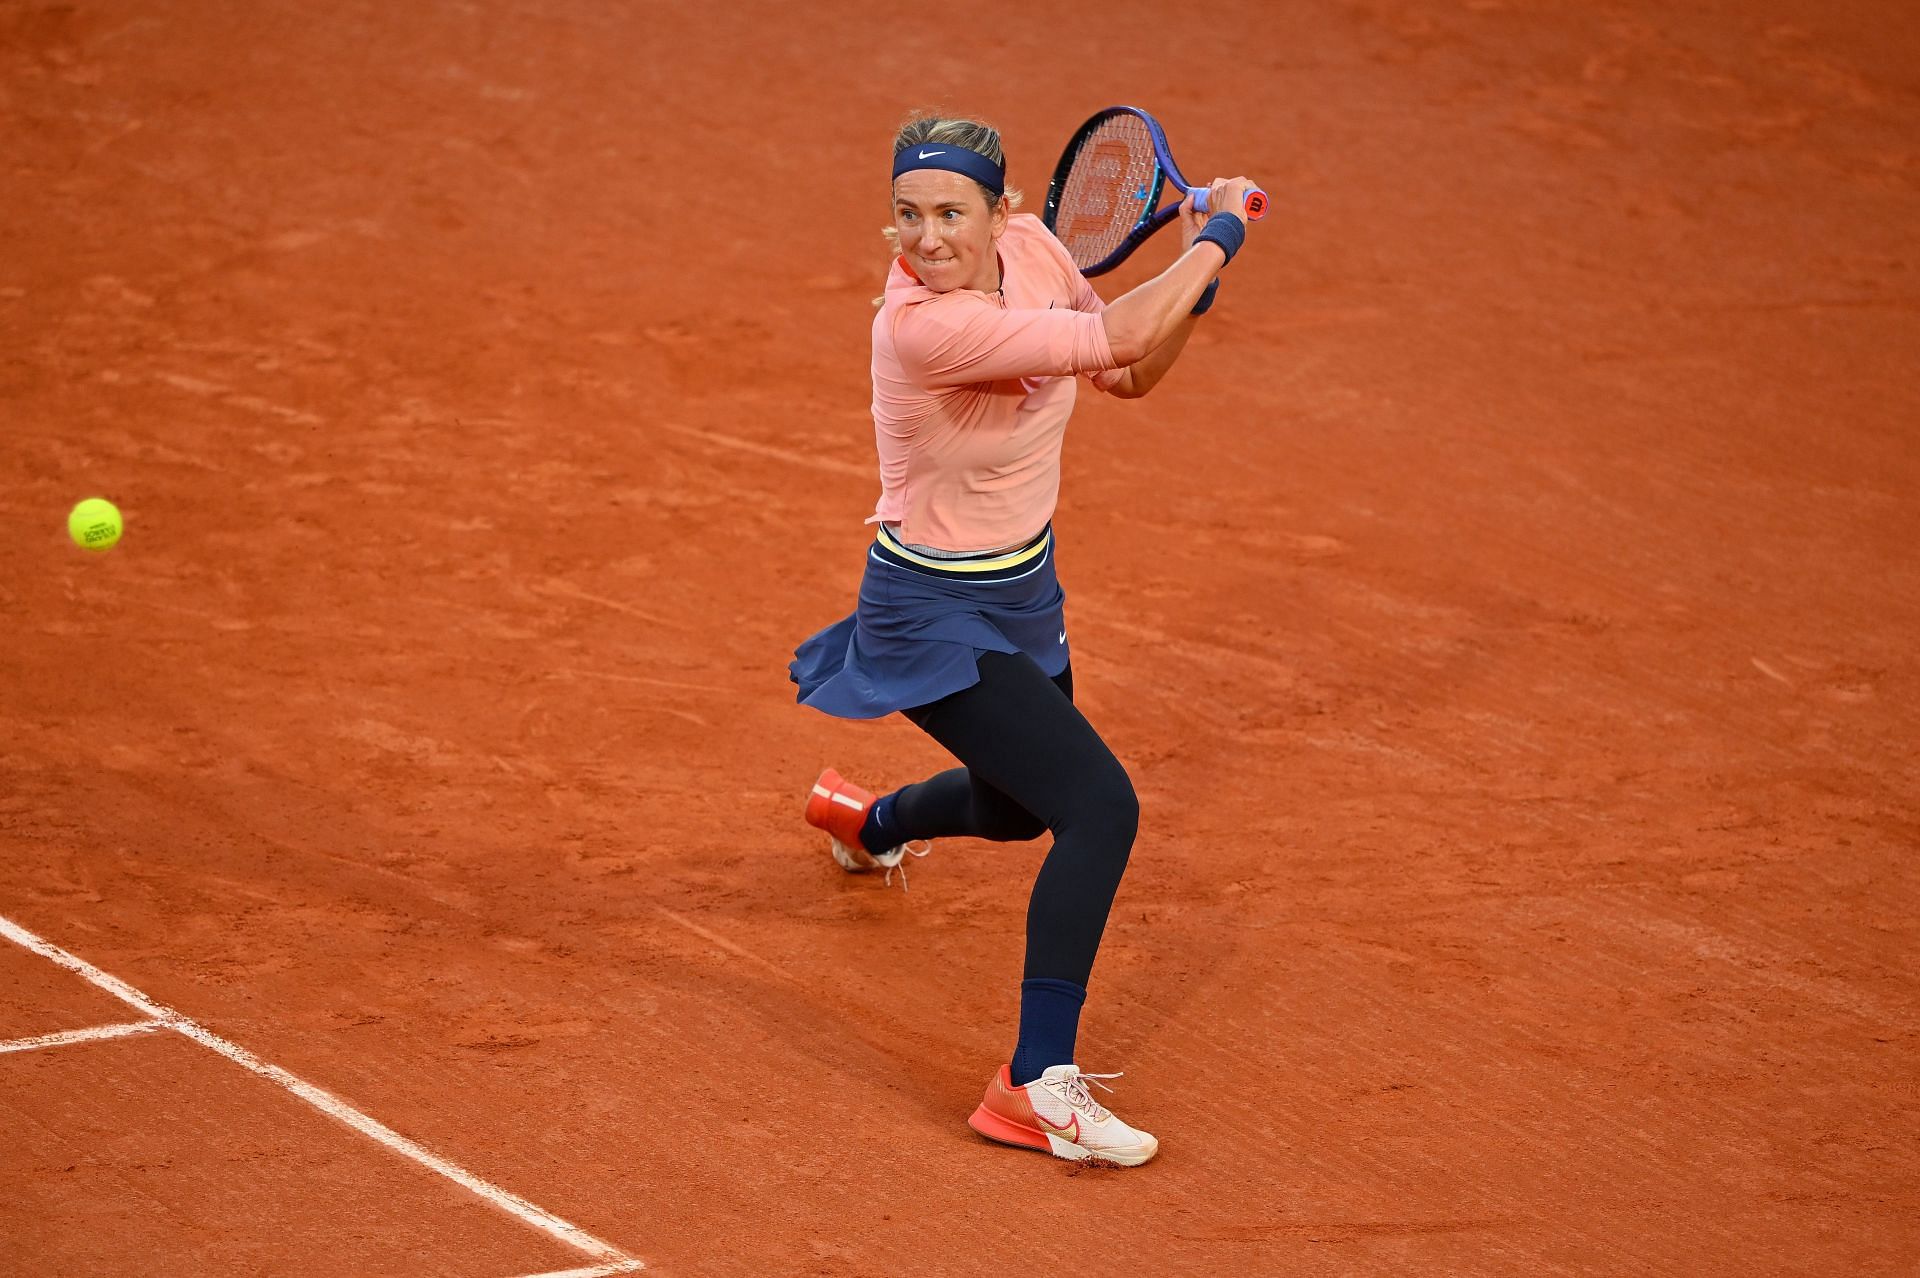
(956, 803)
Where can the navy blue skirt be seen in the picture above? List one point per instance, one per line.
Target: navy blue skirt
(922, 623)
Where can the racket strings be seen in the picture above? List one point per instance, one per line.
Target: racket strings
(1112, 184)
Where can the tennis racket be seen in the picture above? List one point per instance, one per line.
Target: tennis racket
(1101, 202)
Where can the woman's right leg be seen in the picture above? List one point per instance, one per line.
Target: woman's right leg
(1018, 732)
(1021, 735)
(1024, 744)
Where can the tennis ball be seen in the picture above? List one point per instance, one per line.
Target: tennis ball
(94, 524)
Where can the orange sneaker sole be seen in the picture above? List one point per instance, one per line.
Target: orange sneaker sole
(1006, 1131)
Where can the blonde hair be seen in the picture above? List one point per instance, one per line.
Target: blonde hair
(931, 126)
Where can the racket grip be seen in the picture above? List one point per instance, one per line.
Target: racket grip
(1256, 205)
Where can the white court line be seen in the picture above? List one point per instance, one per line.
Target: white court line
(80, 1036)
(598, 1271)
(333, 1106)
(721, 941)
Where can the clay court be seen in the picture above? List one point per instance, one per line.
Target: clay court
(1507, 611)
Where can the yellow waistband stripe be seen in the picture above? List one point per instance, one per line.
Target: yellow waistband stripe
(1012, 559)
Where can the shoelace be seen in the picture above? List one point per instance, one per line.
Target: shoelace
(1077, 1095)
(925, 846)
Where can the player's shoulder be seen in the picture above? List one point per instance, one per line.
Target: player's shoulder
(912, 317)
(1028, 241)
(903, 292)
(1027, 231)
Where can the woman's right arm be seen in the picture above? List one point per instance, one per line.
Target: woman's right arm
(1141, 320)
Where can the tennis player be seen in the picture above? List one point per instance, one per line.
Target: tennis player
(983, 328)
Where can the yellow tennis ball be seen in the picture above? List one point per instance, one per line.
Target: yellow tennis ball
(94, 524)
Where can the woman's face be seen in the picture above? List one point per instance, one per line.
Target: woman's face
(947, 230)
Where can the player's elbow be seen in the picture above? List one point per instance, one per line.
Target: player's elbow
(1128, 340)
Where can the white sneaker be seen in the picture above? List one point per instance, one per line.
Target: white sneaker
(857, 860)
(1057, 1113)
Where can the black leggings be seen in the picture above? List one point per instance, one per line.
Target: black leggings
(1033, 763)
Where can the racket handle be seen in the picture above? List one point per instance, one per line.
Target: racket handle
(1256, 205)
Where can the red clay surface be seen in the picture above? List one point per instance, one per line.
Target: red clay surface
(1507, 611)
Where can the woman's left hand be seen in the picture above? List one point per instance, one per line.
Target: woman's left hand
(1191, 223)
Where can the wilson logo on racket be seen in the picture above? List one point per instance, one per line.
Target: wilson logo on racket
(1099, 193)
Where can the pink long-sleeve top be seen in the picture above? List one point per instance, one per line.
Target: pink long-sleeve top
(972, 391)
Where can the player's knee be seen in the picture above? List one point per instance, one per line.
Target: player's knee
(1106, 802)
(1123, 808)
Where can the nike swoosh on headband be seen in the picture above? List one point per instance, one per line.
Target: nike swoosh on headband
(928, 154)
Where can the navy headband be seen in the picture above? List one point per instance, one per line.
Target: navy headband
(954, 159)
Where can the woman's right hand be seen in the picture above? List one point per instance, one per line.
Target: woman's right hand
(1229, 195)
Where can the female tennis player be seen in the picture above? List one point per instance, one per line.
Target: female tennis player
(960, 626)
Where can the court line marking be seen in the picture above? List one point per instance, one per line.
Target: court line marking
(597, 1271)
(568, 672)
(80, 1035)
(332, 1106)
(791, 456)
(716, 939)
(567, 591)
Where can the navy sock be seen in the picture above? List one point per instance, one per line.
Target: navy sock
(1049, 1023)
(879, 833)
